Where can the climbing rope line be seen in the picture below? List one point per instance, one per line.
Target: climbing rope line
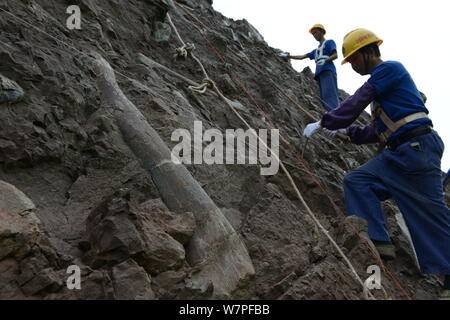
(294, 151)
(309, 211)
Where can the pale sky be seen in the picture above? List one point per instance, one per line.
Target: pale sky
(412, 30)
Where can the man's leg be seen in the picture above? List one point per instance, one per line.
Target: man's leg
(328, 90)
(413, 177)
(363, 193)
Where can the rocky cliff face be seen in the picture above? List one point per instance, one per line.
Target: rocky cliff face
(75, 194)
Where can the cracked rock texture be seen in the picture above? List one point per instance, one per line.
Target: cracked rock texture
(72, 193)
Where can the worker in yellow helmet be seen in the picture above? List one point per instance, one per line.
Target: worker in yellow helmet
(325, 69)
(407, 169)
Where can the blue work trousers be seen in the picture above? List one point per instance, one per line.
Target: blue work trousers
(411, 175)
(328, 89)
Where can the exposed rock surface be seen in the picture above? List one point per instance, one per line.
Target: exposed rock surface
(116, 233)
(85, 199)
(10, 91)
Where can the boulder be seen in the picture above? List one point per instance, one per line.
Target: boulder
(8, 285)
(96, 285)
(131, 282)
(161, 252)
(19, 225)
(10, 91)
(179, 226)
(162, 32)
(14, 201)
(168, 279)
(347, 233)
(46, 279)
(116, 232)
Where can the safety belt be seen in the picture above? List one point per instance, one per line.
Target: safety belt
(392, 126)
(319, 53)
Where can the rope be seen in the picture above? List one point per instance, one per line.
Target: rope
(184, 50)
(309, 211)
(206, 83)
(292, 149)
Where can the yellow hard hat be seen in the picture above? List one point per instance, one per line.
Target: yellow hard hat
(317, 26)
(357, 39)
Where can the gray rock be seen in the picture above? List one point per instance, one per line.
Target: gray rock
(161, 252)
(131, 282)
(168, 279)
(159, 105)
(30, 267)
(116, 233)
(19, 227)
(233, 216)
(226, 84)
(47, 279)
(282, 286)
(197, 288)
(248, 32)
(13, 200)
(353, 236)
(168, 285)
(10, 91)
(115, 239)
(8, 285)
(179, 226)
(348, 236)
(162, 32)
(11, 96)
(96, 286)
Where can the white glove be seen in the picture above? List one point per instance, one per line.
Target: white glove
(332, 133)
(311, 129)
(283, 54)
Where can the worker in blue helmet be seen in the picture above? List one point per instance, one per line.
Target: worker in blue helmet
(325, 73)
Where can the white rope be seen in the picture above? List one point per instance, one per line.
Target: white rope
(206, 83)
(184, 50)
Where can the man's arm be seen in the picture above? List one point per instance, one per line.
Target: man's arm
(332, 57)
(350, 109)
(301, 57)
